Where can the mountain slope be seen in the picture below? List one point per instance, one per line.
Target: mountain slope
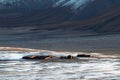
(70, 17)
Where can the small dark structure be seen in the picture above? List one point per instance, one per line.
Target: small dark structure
(83, 55)
(67, 57)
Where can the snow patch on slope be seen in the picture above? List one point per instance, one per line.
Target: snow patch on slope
(75, 4)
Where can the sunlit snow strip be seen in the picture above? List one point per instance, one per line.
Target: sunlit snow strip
(17, 55)
(12, 53)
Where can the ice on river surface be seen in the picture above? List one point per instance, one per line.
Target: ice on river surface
(12, 67)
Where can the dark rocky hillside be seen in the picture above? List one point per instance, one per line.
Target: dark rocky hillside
(91, 17)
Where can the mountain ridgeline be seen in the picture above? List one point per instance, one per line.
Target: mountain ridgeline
(75, 16)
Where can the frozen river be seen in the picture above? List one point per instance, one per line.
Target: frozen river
(12, 67)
